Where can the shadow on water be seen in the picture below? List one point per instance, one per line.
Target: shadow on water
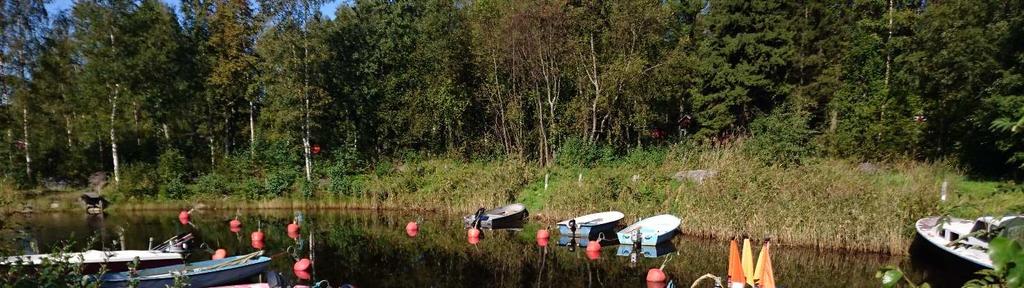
(372, 249)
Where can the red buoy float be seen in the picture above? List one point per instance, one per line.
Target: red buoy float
(219, 254)
(302, 275)
(257, 235)
(594, 245)
(258, 244)
(543, 234)
(473, 240)
(593, 254)
(542, 242)
(235, 223)
(293, 235)
(235, 229)
(412, 229)
(473, 233)
(301, 265)
(656, 275)
(293, 227)
(183, 217)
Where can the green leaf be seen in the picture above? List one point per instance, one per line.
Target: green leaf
(890, 277)
(1004, 251)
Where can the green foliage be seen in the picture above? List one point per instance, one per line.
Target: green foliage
(576, 152)
(779, 138)
(209, 185)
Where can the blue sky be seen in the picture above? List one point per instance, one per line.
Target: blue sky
(58, 5)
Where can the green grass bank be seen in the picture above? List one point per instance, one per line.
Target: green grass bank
(819, 202)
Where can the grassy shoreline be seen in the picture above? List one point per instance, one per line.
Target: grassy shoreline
(822, 203)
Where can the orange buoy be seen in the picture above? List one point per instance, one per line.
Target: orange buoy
(302, 274)
(293, 227)
(235, 223)
(183, 217)
(542, 242)
(594, 245)
(656, 275)
(412, 229)
(257, 235)
(235, 229)
(543, 234)
(293, 235)
(473, 233)
(473, 240)
(219, 254)
(736, 278)
(301, 265)
(258, 244)
(593, 254)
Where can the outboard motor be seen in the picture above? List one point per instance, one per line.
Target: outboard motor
(477, 217)
(637, 239)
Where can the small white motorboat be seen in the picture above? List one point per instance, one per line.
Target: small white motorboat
(973, 247)
(590, 226)
(509, 216)
(92, 260)
(650, 231)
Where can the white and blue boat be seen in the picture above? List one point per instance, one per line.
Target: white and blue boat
(590, 226)
(199, 274)
(655, 251)
(650, 231)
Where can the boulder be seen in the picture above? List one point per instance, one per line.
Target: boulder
(697, 176)
(868, 167)
(97, 181)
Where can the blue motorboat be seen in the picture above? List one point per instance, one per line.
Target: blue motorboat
(199, 274)
(590, 226)
(650, 231)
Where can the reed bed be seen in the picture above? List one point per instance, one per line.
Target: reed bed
(821, 202)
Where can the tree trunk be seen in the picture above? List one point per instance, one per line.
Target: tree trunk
(167, 132)
(252, 130)
(28, 156)
(135, 115)
(888, 50)
(594, 80)
(213, 156)
(306, 123)
(113, 134)
(67, 127)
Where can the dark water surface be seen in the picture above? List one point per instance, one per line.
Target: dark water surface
(371, 249)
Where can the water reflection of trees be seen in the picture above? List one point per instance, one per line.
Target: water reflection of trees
(371, 249)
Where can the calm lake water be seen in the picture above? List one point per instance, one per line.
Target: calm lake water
(371, 249)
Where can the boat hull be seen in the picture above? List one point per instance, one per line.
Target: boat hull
(653, 230)
(588, 231)
(513, 219)
(592, 225)
(206, 278)
(928, 229)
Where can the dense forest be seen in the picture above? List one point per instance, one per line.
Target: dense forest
(109, 85)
